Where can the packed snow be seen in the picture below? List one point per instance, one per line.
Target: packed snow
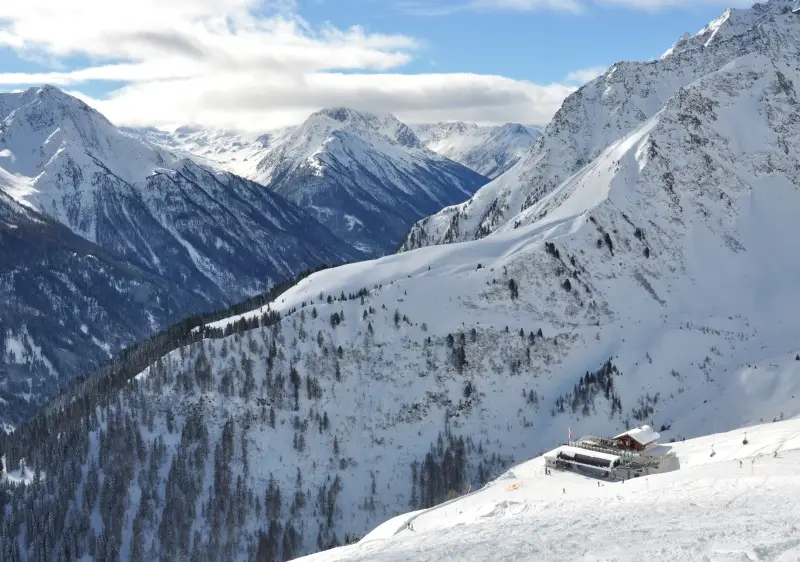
(743, 503)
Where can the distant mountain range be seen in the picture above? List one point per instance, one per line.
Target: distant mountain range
(160, 223)
(366, 177)
(178, 227)
(490, 151)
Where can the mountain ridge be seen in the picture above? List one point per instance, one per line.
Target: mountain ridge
(590, 119)
(367, 177)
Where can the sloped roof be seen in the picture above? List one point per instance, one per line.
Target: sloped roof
(643, 435)
(569, 451)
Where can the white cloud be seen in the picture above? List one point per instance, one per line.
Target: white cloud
(261, 102)
(239, 63)
(583, 75)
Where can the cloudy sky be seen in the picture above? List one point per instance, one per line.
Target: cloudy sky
(258, 64)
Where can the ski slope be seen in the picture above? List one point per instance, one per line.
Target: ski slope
(711, 509)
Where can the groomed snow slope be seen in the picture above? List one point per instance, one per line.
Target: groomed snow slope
(712, 509)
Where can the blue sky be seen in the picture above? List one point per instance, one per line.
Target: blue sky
(541, 46)
(262, 63)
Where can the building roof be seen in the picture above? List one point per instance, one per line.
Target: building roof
(643, 435)
(569, 451)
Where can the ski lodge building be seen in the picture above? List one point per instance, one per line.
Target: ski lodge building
(637, 439)
(627, 455)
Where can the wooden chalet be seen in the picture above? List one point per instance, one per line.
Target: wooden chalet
(637, 439)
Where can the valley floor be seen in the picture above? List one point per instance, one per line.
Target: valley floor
(712, 509)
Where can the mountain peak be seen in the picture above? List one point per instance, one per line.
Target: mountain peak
(513, 129)
(45, 89)
(48, 104)
(47, 122)
(731, 23)
(342, 114)
(189, 128)
(54, 94)
(386, 125)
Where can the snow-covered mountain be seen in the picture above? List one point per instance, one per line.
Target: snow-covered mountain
(611, 107)
(739, 504)
(68, 305)
(211, 234)
(374, 388)
(653, 283)
(731, 23)
(366, 177)
(488, 150)
(212, 231)
(227, 150)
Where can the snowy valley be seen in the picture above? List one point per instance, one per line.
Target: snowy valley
(635, 266)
